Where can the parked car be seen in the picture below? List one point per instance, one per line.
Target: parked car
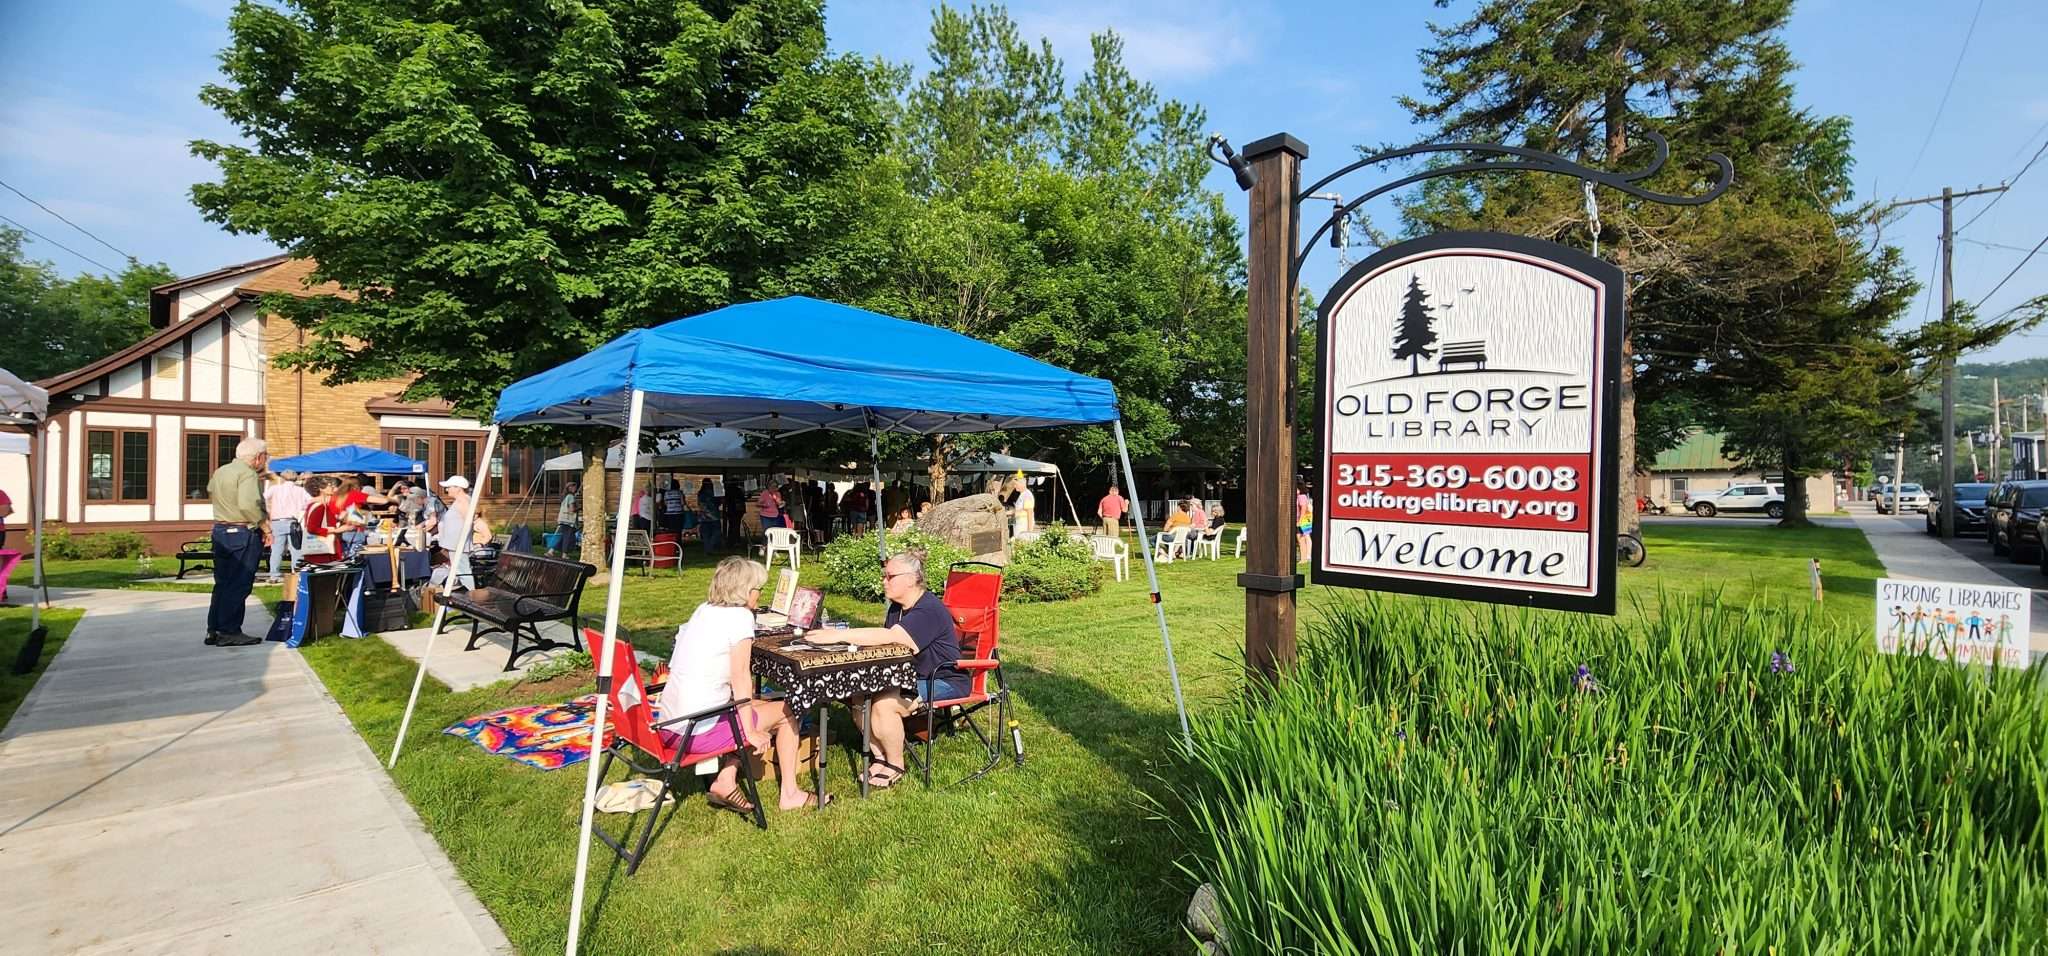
(1911, 497)
(1970, 508)
(1767, 498)
(2014, 508)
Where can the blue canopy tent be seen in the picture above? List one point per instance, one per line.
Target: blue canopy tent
(789, 366)
(351, 460)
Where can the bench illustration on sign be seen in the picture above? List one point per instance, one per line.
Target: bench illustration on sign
(1415, 339)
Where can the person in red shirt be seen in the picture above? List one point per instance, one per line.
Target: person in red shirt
(1111, 511)
(770, 504)
(320, 524)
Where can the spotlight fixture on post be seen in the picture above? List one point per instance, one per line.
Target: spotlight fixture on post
(1246, 178)
(1340, 231)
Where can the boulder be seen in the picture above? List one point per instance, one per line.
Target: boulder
(976, 523)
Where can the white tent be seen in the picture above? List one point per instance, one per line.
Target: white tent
(26, 407)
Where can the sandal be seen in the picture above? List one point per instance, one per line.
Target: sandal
(810, 802)
(877, 782)
(736, 801)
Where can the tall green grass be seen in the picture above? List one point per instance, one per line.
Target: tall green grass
(1441, 779)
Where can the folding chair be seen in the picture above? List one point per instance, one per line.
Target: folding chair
(974, 598)
(662, 754)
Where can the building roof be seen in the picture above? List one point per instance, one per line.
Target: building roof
(66, 381)
(161, 297)
(291, 276)
(1700, 451)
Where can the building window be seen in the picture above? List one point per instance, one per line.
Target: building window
(204, 452)
(116, 465)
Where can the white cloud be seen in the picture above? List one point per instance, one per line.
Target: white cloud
(1162, 41)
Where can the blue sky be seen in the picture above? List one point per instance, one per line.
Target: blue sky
(98, 101)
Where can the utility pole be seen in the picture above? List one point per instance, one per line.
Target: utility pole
(1948, 197)
(1997, 429)
(1898, 472)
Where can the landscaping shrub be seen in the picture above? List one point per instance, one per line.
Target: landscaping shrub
(851, 567)
(60, 545)
(1052, 568)
(1715, 779)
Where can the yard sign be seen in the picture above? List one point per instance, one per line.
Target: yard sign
(1965, 623)
(1466, 410)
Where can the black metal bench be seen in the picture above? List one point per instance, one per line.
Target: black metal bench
(198, 551)
(1462, 353)
(523, 592)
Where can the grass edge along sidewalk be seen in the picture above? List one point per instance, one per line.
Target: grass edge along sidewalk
(1066, 855)
(14, 632)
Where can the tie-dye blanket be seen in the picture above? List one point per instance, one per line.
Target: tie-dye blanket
(547, 736)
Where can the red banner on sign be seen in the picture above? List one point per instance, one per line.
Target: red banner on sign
(1543, 492)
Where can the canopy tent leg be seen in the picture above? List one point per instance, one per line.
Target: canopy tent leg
(1152, 577)
(36, 491)
(457, 565)
(1061, 478)
(875, 468)
(614, 590)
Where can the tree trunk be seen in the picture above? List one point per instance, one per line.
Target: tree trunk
(1795, 488)
(1627, 517)
(937, 469)
(596, 505)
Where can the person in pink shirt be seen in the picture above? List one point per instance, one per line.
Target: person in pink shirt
(771, 507)
(1111, 510)
(284, 503)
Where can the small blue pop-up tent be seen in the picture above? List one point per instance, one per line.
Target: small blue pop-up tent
(783, 367)
(350, 460)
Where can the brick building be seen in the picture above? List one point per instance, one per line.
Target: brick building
(134, 436)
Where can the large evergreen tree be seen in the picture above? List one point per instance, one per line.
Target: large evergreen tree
(1581, 77)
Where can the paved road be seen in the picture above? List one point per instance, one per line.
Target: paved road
(1908, 551)
(158, 796)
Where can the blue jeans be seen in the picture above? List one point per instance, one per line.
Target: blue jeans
(947, 688)
(777, 521)
(710, 535)
(281, 546)
(237, 550)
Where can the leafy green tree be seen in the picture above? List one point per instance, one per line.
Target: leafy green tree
(56, 324)
(503, 185)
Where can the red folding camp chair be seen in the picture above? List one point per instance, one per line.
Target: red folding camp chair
(662, 754)
(974, 598)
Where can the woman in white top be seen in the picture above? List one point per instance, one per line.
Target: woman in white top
(714, 649)
(1024, 517)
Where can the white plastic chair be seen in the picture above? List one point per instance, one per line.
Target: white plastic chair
(785, 541)
(1117, 553)
(1210, 542)
(1168, 545)
(1240, 543)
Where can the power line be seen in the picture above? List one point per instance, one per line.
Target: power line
(81, 255)
(1943, 106)
(2015, 270)
(2008, 183)
(1992, 245)
(67, 222)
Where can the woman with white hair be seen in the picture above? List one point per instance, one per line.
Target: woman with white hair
(711, 666)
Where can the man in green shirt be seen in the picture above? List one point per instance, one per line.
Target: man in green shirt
(239, 535)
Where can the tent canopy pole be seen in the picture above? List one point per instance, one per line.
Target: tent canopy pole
(613, 590)
(36, 491)
(455, 569)
(1123, 453)
(875, 468)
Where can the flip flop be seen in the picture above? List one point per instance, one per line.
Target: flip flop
(881, 783)
(811, 802)
(735, 801)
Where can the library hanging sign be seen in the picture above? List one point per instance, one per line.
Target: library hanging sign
(1466, 409)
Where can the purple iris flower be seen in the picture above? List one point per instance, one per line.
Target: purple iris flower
(1583, 682)
(1781, 663)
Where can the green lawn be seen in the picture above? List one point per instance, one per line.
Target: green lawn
(14, 631)
(1063, 855)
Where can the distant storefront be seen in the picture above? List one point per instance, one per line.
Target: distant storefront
(1698, 465)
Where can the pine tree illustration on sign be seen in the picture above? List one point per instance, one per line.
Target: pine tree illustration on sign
(1415, 335)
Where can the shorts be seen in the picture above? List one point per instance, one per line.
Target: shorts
(1305, 528)
(711, 741)
(949, 688)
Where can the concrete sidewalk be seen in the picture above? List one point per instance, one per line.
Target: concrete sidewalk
(1907, 551)
(159, 795)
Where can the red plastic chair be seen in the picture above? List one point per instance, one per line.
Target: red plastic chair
(654, 751)
(975, 600)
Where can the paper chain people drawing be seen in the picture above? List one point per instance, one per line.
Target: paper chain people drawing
(1922, 626)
